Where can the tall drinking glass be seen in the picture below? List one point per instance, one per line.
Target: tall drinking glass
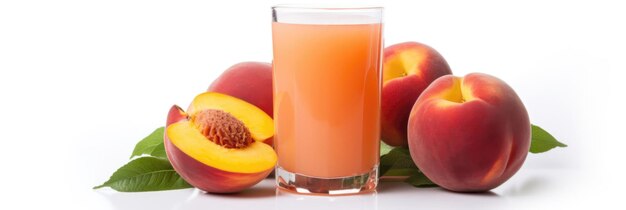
(327, 85)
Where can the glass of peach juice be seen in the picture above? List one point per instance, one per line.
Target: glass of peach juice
(327, 86)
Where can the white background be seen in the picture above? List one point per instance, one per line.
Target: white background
(82, 81)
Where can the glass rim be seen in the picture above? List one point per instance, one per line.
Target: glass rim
(327, 15)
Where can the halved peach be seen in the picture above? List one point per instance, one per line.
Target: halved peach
(217, 145)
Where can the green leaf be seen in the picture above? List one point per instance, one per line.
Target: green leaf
(420, 180)
(398, 160)
(151, 145)
(542, 141)
(145, 174)
(384, 148)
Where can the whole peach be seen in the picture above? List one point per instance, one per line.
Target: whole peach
(469, 134)
(408, 68)
(249, 81)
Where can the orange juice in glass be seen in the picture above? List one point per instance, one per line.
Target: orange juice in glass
(327, 85)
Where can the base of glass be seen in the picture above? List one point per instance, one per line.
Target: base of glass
(299, 183)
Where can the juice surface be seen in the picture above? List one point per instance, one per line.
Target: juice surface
(327, 98)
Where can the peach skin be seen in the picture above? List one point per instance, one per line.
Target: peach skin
(469, 134)
(248, 81)
(408, 68)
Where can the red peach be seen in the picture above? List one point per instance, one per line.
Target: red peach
(469, 134)
(408, 68)
(249, 81)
